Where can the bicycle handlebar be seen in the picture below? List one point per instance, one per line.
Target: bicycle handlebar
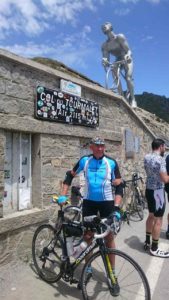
(132, 180)
(108, 222)
(112, 64)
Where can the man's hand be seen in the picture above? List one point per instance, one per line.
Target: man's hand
(128, 58)
(117, 215)
(62, 200)
(105, 62)
(116, 181)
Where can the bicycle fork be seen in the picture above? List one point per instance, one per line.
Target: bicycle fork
(110, 271)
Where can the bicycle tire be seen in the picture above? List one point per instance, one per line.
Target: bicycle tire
(131, 278)
(46, 253)
(135, 209)
(139, 205)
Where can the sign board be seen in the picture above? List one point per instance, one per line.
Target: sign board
(70, 88)
(57, 106)
(129, 143)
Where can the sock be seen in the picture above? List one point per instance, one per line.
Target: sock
(148, 235)
(154, 245)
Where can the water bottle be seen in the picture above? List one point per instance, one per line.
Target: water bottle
(69, 245)
(79, 249)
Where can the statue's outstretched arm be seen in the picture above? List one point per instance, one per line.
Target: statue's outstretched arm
(105, 55)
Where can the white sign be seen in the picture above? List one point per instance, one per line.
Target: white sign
(70, 87)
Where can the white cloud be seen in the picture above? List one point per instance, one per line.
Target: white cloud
(154, 1)
(66, 10)
(147, 38)
(129, 1)
(17, 15)
(32, 16)
(136, 1)
(64, 49)
(122, 11)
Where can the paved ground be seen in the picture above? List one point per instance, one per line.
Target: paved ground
(20, 282)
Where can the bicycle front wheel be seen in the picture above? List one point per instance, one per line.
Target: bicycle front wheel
(131, 280)
(46, 253)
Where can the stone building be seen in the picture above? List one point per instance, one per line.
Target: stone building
(38, 145)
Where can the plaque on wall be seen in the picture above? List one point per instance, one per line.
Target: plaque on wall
(70, 87)
(129, 143)
(57, 106)
(137, 144)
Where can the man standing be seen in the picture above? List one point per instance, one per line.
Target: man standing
(100, 172)
(167, 191)
(155, 167)
(117, 46)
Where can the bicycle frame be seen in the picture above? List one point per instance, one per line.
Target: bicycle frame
(71, 267)
(116, 69)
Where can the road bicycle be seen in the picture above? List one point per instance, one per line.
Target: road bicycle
(52, 262)
(136, 206)
(116, 69)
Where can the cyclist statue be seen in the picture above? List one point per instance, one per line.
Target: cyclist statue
(117, 45)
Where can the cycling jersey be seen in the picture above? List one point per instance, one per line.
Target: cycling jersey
(98, 174)
(167, 167)
(154, 163)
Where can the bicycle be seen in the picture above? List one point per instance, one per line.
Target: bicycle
(137, 204)
(52, 263)
(117, 70)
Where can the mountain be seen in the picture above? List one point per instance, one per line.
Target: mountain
(155, 104)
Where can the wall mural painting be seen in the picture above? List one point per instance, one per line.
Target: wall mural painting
(55, 105)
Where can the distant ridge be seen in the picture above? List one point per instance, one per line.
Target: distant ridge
(155, 104)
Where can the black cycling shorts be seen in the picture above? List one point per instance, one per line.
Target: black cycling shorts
(104, 208)
(152, 204)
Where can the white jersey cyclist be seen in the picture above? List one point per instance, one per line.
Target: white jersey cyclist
(99, 174)
(154, 163)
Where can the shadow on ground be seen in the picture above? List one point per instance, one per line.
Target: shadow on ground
(134, 243)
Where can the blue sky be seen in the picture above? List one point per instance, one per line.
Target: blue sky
(70, 31)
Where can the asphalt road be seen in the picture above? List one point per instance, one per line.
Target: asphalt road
(20, 282)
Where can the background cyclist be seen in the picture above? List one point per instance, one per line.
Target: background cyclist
(155, 167)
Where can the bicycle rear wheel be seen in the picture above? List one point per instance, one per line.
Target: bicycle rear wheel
(136, 208)
(46, 253)
(138, 204)
(131, 279)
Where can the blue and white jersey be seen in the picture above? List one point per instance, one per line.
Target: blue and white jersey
(98, 174)
(154, 164)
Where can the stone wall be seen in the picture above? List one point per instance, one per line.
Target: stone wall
(56, 146)
(2, 144)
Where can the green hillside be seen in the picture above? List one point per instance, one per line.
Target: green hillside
(155, 104)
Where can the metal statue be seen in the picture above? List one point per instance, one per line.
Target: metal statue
(117, 45)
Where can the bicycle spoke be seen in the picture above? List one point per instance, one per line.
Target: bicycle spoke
(131, 280)
(46, 253)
